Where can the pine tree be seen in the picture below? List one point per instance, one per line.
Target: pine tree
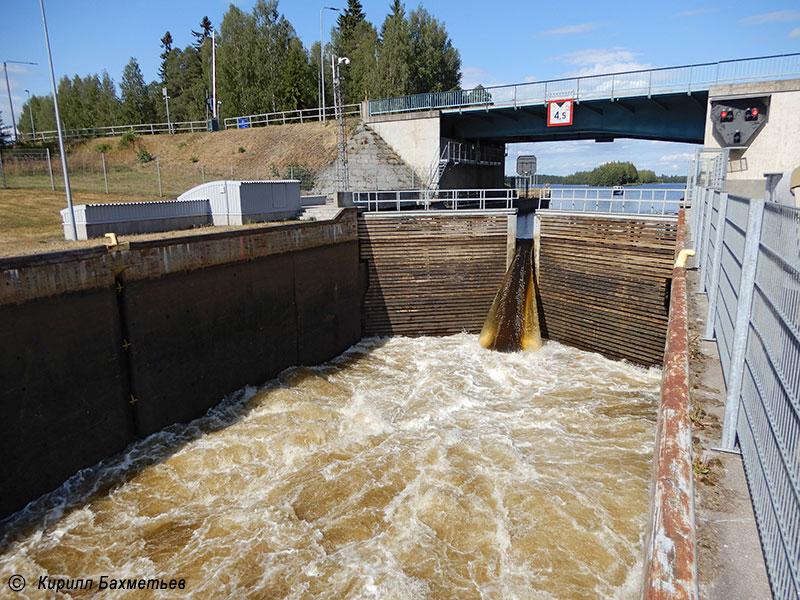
(357, 39)
(137, 104)
(204, 33)
(392, 76)
(166, 43)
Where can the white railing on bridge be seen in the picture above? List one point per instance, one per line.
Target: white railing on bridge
(655, 201)
(684, 79)
(397, 200)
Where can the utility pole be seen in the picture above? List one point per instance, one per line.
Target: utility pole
(339, 112)
(30, 110)
(58, 127)
(321, 87)
(214, 74)
(8, 87)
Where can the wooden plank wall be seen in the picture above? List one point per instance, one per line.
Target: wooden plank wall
(432, 273)
(604, 282)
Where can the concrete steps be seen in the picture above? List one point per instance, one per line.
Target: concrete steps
(320, 213)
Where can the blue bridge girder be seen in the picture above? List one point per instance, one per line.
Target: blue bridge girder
(676, 117)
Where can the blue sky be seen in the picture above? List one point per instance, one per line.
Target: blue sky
(500, 43)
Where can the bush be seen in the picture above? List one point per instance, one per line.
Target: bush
(181, 144)
(194, 159)
(127, 139)
(102, 147)
(241, 150)
(144, 156)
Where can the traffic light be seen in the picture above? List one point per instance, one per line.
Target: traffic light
(751, 114)
(726, 116)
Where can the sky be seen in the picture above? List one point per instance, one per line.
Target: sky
(501, 42)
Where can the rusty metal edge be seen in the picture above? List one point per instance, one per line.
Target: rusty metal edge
(670, 550)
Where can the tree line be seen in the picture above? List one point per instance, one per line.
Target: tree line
(262, 66)
(608, 174)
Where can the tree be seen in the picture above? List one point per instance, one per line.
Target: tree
(166, 43)
(357, 39)
(298, 79)
(5, 138)
(258, 57)
(137, 104)
(204, 33)
(437, 64)
(394, 65)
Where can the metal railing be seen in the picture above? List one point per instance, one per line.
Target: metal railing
(111, 130)
(243, 122)
(748, 253)
(288, 116)
(667, 80)
(613, 200)
(397, 200)
(469, 153)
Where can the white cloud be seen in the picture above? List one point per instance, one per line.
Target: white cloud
(531, 79)
(673, 158)
(570, 29)
(795, 34)
(601, 60)
(779, 16)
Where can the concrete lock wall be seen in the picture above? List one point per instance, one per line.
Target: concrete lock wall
(98, 347)
(775, 148)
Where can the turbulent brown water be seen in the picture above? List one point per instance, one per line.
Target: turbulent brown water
(404, 469)
(513, 320)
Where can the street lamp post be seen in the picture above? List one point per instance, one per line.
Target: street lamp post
(321, 87)
(166, 100)
(8, 87)
(30, 110)
(58, 127)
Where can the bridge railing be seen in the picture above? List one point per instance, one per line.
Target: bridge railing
(653, 201)
(748, 254)
(397, 200)
(687, 79)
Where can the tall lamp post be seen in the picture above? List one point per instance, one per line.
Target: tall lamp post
(321, 87)
(58, 127)
(8, 87)
(166, 100)
(30, 110)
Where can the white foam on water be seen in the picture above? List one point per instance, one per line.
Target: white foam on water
(405, 468)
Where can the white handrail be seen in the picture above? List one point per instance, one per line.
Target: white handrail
(424, 199)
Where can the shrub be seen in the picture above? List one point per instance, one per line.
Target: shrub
(127, 139)
(102, 147)
(194, 159)
(181, 144)
(241, 149)
(144, 156)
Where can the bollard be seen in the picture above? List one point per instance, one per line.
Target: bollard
(158, 172)
(105, 174)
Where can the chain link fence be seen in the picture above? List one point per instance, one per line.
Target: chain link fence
(144, 176)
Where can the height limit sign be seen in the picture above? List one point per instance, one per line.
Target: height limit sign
(559, 112)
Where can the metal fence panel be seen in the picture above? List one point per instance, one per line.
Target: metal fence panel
(755, 318)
